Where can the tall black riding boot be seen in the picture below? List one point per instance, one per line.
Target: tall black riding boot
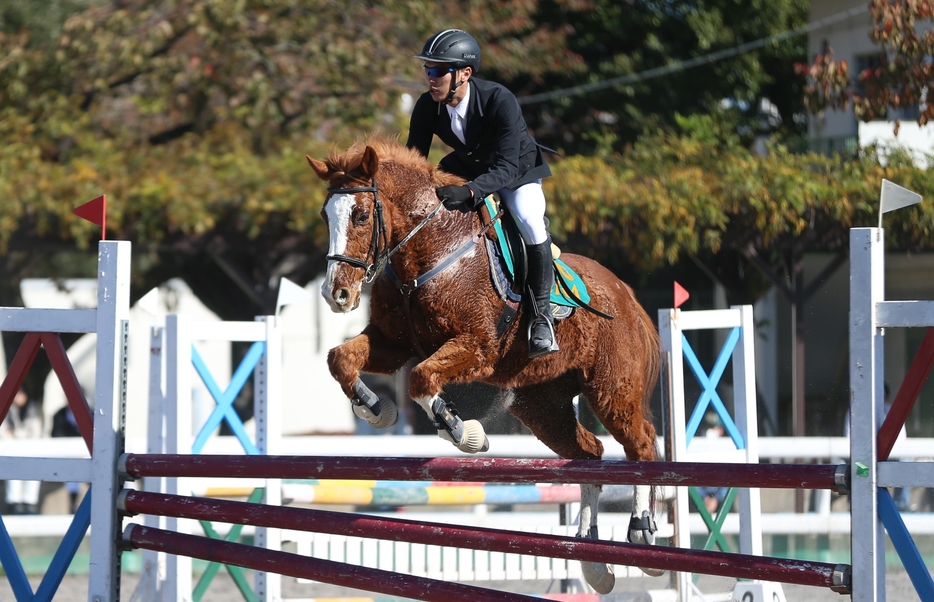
(541, 278)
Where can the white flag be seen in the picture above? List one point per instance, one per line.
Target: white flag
(895, 197)
(290, 293)
(150, 303)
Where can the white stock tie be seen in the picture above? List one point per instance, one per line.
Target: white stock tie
(457, 126)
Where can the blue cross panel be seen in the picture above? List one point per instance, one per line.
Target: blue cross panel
(905, 545)
(225, 399)
(15, 573)
(709, 384)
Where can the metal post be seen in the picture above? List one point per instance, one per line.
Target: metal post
(267, 414)
(670, 334)
(113, 312)
(867, 265)
(744, 410)
(178, 439)
(154, 562)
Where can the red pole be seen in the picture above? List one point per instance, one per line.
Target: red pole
(906, 396)
(740, 566)
(302, 567)
(488, 470)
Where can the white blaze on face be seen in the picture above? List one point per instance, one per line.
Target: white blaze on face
(338, 210)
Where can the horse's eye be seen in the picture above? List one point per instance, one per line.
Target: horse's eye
(363, 218)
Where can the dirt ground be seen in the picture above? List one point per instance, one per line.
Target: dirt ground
(74, 589)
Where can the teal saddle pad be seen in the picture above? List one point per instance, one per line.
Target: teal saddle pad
(566, 279)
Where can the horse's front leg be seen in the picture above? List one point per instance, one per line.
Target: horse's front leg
(458, 360)
(369, 351)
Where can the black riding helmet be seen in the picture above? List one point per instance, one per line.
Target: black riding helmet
(454, 46)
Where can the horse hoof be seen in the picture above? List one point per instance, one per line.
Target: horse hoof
(642, 529)
(599, 576)
(388, 414)
(473, 441)
(644, 536)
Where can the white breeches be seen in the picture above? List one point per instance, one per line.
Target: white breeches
(527, 206)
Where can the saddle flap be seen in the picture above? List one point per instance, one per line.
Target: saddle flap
(568, 284)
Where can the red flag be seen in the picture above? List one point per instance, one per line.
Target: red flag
(681, 295)
(95, 212)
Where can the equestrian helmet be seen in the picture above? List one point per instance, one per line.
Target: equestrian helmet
(453, 46)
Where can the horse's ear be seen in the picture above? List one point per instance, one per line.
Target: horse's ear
(370, 164)
(320, 167)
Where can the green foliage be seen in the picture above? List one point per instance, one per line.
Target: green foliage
(616, 39)
(194, 117)
(702, 193)
(42, 18)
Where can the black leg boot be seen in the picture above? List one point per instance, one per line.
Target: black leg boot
(541, 278)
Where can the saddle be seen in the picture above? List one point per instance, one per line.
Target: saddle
(508, 266)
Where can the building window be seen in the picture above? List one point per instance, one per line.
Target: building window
(876, 61)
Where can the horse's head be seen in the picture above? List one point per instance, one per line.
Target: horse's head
(354, 215)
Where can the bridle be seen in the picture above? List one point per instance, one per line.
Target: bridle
(378, 240)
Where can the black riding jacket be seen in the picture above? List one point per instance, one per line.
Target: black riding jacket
(499, 151)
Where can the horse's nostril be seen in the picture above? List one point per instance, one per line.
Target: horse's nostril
(342, 296)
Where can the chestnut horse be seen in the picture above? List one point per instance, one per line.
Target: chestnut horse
(432, 298)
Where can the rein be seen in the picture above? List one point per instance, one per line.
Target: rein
(378, 240)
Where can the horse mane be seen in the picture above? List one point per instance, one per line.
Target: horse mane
(389, 150)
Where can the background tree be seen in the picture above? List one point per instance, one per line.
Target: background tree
(744, 219)
(903, 80)
(194, 116)
(616, 39)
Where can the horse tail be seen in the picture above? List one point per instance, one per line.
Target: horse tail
(652, 356)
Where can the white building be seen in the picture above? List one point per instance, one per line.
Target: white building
(844, 25)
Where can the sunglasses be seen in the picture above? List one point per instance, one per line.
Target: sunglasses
(440, 71)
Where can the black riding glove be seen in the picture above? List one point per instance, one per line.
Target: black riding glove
(456, 198)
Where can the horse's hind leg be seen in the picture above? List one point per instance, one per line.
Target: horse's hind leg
(548, 411)
(619, 407)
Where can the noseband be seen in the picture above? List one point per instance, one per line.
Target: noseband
(378, 241)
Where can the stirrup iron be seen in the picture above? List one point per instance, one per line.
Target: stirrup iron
(534, 353)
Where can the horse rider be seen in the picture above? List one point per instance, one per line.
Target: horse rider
(494, 152)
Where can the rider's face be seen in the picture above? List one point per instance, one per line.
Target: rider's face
(440, 79)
